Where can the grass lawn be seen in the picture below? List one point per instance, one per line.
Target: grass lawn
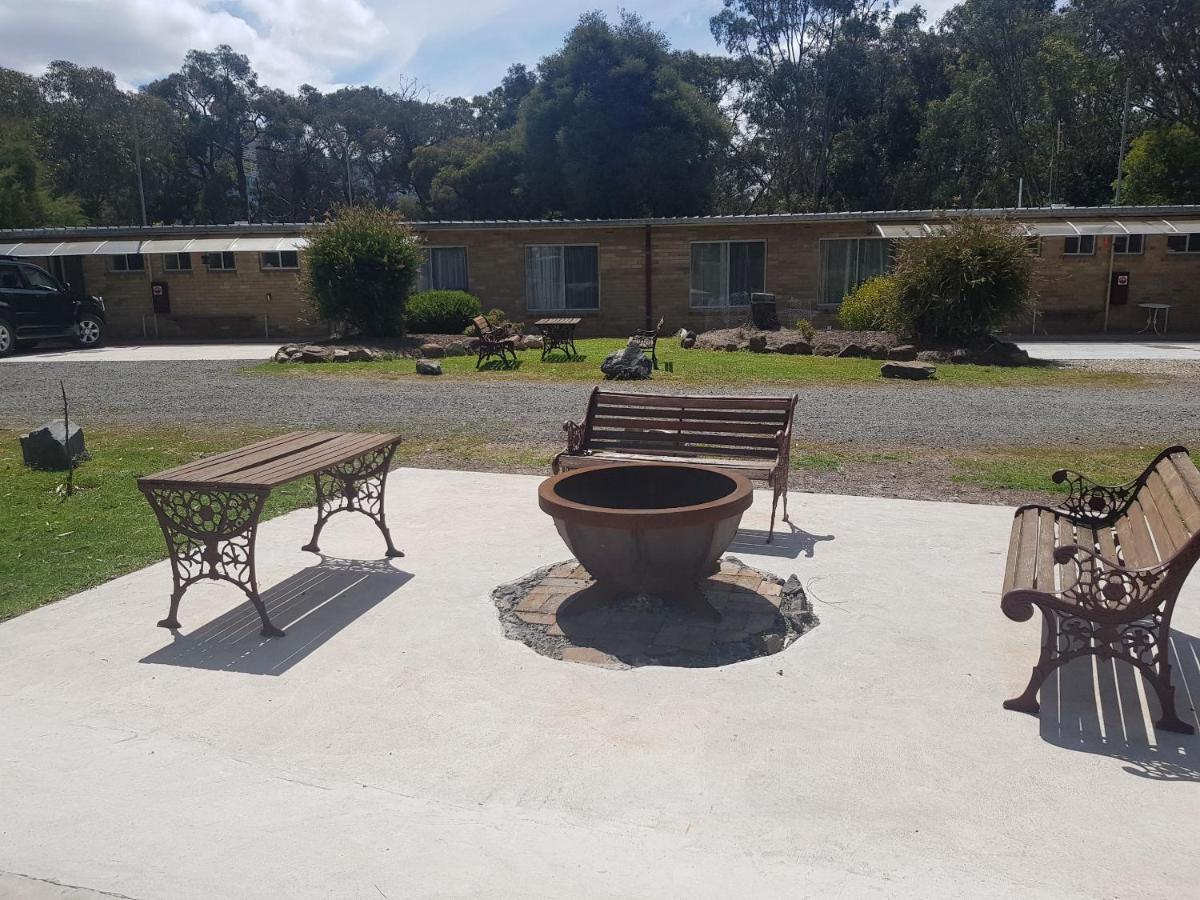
(710, 367)
(52, 546)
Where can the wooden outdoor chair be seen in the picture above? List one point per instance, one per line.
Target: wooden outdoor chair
(647, 341)
(493, 342)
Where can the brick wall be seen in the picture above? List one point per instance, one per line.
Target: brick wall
(1071, 289)
(249, 302)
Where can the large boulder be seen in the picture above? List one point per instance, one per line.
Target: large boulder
(903, 353)
(432, 351)
(457, 348)
(854, 351)
(287, 353)
(51, 447)
(629, 363)
(314, 353)
(429, 367)
(758, 344)
(530, 342)
(909, 371)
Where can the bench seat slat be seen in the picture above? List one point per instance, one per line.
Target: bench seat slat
(1026, 549)
(605, 433)
(1135, 539)
(695, 448)
(1162, 517)
(1014, 554)
(1047, 540)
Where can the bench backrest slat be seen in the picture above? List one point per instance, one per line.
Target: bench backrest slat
(1164, 517)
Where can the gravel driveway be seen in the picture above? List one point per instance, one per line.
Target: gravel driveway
(932, 415)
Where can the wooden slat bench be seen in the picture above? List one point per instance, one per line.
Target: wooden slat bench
(1105, 569)
(750, 435)
(209, 509)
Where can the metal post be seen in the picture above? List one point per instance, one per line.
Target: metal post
(1112, 253)
(137, 152)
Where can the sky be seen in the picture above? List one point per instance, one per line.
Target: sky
(450, 47)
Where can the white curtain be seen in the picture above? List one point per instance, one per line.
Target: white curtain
(544, 278)
(710, 275)
(449, 268)
(847, 263)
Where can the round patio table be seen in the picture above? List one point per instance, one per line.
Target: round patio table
(1152, 316)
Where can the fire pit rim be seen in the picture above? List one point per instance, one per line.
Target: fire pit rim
(737, 500)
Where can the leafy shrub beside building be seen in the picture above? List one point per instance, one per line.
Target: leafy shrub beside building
(359, 268)
(441, 312)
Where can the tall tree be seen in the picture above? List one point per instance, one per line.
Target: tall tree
(613, 129)
(1163, 166)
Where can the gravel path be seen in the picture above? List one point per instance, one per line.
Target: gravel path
(216, 392)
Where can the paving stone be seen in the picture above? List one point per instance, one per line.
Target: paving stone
(534, 600)
(770, 588)
(536, 618)
(589, 655)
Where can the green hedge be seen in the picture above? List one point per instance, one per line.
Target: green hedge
(441, 312)
(874, 306)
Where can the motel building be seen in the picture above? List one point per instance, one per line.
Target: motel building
(1095, 268)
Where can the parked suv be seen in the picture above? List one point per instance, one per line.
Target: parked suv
(34, 306)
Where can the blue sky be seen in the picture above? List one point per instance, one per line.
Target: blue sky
(451, 47)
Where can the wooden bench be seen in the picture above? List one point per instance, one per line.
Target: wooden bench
(209, 509)
(750, 435)
(647, 341)
(1105, 569)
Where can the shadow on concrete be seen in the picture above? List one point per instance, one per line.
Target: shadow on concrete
(311, 606)
(1106, 708)
(789, 544)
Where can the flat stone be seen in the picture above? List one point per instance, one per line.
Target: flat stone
(429, 367)
(910, 371)
(51, 448)
(432, 351)
(903, 353)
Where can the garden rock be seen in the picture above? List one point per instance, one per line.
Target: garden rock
(827, 350)
(688, 342)
(758, 344)
(934, 356)
(432, 351)
(960, 356)
(530, 342)
(51, 448)
(362, 354)
(876, 350)
(627, 364)
(429, 367)
(456, 348)
(311, 353)
(854, 351)
(788, 342)
(909, 371)
(903, 353)
(341, 354)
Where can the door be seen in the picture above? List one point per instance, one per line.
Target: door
(46, 310)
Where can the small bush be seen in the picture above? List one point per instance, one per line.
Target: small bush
(359, 267)
(806, 329)
(874, 306)
(969, 278)
(440, 312)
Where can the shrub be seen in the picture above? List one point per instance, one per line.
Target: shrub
(874, 306)
(968, 279)
(806, 329)
(360, 266)
(440, 312)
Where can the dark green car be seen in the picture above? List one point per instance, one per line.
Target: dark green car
(35, 306)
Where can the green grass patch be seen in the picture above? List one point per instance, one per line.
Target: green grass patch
(1029, 469)
(711, 367)
(52, 546)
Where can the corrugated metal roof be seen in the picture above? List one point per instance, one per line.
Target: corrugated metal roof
(872, 216)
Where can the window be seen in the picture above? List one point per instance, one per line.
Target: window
(127, 262)
(848, 262)
(221, 262)
(1128, 244)
(726, 273)
(37, 280)
(1081, 245)
(10, 278)
(1183, 243)
(177, 262)
(562, 276)
(281, 259)
(444, 269)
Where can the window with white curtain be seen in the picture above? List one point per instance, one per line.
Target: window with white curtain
(726, 273)
(444, 269)
(848, 262)
(562, 277)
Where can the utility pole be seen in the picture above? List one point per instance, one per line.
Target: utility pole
(137, 153)
(1121, 151)
(349, 186)
(1054, 159)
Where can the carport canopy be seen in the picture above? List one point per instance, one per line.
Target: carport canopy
(69, 248)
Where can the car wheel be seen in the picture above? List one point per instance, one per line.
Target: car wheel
(8, 342)
(89, 332)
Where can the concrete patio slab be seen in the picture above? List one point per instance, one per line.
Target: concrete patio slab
(1154, 348)
(395, 744)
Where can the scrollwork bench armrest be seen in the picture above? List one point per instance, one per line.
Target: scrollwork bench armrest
(1091, 503)
(575, 437)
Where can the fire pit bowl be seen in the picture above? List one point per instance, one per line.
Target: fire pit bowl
(654, 528)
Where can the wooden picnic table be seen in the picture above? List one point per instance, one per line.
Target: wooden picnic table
(209, 509)
(558, 334)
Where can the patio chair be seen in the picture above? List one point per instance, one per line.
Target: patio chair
(493, 342)
(647, 341)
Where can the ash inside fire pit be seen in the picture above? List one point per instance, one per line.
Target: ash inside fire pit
(761, 614)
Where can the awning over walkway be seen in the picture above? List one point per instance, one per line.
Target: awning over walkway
(70, 248)
(224, 245)
(1061, 228)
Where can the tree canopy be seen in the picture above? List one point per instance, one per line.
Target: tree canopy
(813, 105)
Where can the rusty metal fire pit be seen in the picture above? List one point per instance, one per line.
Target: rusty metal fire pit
(654, 528)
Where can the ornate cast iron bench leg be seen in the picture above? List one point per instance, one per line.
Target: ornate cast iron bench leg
(355, 486)
(210, 534)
